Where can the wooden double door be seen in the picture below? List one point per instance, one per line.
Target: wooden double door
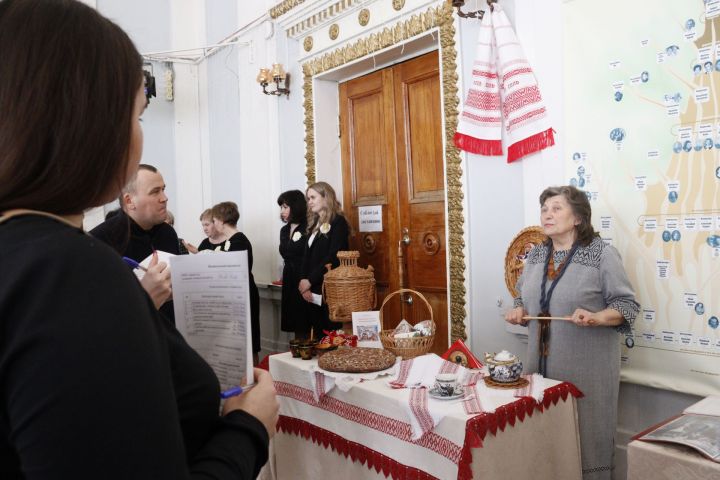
(392, 158)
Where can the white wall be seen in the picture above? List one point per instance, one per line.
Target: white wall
(149, 26)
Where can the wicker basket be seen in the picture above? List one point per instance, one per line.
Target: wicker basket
(406, 347)
(349, 288)
(517, 252)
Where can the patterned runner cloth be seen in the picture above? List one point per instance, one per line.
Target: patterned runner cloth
(504, 90)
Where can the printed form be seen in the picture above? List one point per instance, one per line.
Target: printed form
(212, 311)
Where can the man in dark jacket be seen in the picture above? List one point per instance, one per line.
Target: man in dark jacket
(139, 229)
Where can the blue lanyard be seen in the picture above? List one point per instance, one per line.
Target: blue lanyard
(545, 297)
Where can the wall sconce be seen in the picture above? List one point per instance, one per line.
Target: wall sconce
(277, 76)
(476, 14)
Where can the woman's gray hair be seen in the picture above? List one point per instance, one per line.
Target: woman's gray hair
(580, 206)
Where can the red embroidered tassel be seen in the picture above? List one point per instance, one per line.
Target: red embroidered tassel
(476, 145)
(535, 143)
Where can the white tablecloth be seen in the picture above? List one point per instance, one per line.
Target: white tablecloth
(365, 433)
(667, 461)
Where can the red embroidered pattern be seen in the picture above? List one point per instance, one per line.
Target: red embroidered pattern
(449, 367)
(478, 118)
(483, 73)
(521, 98)
(402, 377)
(483, 100)
(476, 429)
(346, 448)
(517, 71)
(517, 122)
(319, 384)
(381, 423)
(471, 404)
(419, 409)
(471, 378)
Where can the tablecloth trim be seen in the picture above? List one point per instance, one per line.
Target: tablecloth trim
(387, 425)
(357, 452)
(477, 427)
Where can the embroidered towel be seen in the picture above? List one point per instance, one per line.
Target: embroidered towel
(418, 375)
(504, 92)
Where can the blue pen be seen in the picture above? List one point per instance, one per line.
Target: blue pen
(234, 391)
(133, 264)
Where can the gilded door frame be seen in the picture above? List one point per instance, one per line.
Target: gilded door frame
(440, 18)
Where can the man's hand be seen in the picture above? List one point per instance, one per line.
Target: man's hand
(156, 281)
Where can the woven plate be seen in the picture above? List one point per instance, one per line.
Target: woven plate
(517, 253)
(519, 383)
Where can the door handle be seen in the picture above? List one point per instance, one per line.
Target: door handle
(406, 236)
(408, 299)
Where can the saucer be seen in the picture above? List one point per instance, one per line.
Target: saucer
(459, 393)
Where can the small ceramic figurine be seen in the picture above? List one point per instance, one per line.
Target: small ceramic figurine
(504, 367)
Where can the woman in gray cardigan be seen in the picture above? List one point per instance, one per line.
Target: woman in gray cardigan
(576, 275)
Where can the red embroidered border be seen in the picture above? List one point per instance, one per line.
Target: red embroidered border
(476, 429)
(389, 426)
(347, 448)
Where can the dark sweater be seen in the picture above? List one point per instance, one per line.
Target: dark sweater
(130, 240)
(292, 311)
(206, 244)
(238, 243)
(323, 251)
(93, 382)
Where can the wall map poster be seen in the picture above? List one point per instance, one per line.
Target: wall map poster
(642, 83)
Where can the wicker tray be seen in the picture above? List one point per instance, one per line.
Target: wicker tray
(517, 253)
(519, 383)
(406, 347)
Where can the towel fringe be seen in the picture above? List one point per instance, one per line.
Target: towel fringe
(526, 146)
(476, 145)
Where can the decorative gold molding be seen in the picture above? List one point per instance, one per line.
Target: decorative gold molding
(334, 31)
(308, 43)
(398, 4)
(364, 17)
(440, 17)
(322, 17)
(283, 7)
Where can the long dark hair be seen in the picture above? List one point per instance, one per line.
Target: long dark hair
(295, 200)
(68, 82)
(580, 206)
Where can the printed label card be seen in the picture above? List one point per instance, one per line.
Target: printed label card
(641, 183)
(366, 325)
(702, 95)
(605, 223)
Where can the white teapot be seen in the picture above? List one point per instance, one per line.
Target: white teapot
(504, 367)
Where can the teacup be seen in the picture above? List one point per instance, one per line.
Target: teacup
(446, 384)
